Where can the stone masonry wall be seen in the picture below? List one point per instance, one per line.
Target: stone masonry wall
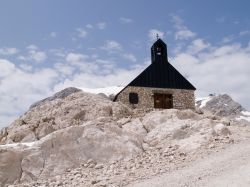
(182, 99)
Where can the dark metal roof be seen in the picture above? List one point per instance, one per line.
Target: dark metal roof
(161, 75)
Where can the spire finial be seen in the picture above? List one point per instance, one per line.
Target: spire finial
(157, 36)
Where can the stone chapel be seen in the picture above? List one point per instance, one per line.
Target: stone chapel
(160, 85)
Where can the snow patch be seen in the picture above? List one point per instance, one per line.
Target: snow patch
(14, 145)
(245, 116)
(106, 90)
(203, 100)
(246, 113)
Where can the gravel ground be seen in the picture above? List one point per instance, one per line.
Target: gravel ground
(227, 167)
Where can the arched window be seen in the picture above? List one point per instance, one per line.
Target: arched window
(133, 98)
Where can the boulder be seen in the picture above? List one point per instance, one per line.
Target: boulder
(221, 129)
(10, 166)
(136, 127)
(66, 148)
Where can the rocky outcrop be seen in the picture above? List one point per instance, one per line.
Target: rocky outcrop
(84, 139)
(65, 149)
(114, 153)
(59, 95)
(60, 112)
(221, 105)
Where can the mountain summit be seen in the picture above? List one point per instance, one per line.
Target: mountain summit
(74, 138)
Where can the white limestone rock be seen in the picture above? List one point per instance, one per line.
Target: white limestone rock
(221, 129)
(59, 113)
(94, 134)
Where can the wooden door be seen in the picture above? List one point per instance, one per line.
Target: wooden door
(163, 101)
(168, 101)
(158, 102)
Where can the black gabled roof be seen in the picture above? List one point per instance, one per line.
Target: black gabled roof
(161, 75)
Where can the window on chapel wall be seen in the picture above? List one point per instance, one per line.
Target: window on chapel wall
(133, 98)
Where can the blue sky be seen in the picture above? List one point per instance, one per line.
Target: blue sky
(48, 45)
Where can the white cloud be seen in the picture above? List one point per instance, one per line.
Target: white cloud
(6, 119)
(58, 52)
(220, 19)
(75, 58)
(64, 69)
(53, 34)
(32, 47)
(152, 34)
(125, 20)
(38, 56)
(178, 22)
(197, 46)
(89, 26)
(34, 54)
(232, 37)
(112, 46)
(6, 68)
(130, 57)
(19, 89)
(8, 51)
(228, 39)
(26, 67)
(218, 70)
(88, 65)
(81, 33)
(178, 48)
(243, 33)
(115, 76)
(182, 33)
(94, 56)
(226, 49)
(101, 25)
(236, 22)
